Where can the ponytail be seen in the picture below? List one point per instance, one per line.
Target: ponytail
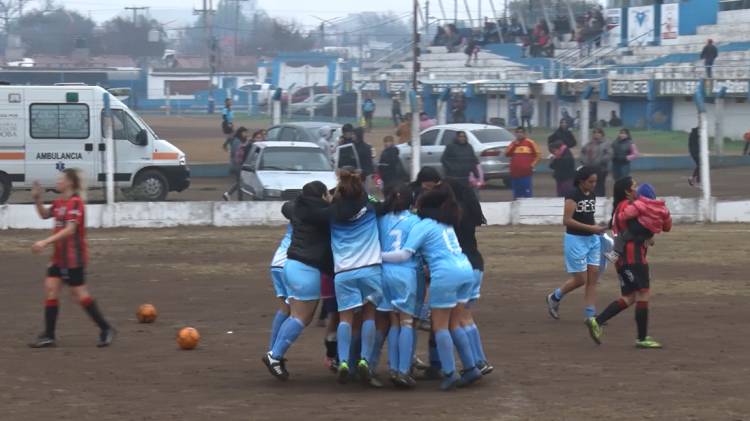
(622, 186)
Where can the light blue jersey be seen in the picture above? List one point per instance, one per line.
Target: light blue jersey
(438, 245)
(394, 229)
(355, 243)
(279, 258)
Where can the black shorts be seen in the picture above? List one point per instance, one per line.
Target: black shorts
(72, 277)
(633, 278)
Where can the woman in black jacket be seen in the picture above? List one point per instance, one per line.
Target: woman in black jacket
(308, 255)
(459, 159)
(562, 134)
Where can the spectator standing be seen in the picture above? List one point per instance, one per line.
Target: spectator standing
(235, 147)
(368, 110)
(396, 115)
(527, 112)
(471, 50)
(614, 120)
(227, 117)
(562, 134)
(324, 139)
(459, 159)
(458, 107)
(365, 154)
(390, 168)
(597, 154)
(709, 54)
(624, 152)
(563, 166)
(524, 154)
(403, 132)
(425, 122)
(694, 147)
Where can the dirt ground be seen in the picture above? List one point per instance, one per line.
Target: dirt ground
(216, 280)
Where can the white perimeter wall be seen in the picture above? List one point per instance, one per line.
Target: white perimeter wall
(736, 117)
(227, 214)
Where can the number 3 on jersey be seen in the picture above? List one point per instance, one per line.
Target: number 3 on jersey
(451, 242)
(397, 236)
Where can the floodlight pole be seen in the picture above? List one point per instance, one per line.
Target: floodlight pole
(416, 147)
(699, 99)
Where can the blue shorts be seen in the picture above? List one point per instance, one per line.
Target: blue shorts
(277, 277)
(477, 285)
(521, 187)
(302, 281)
(581, 251)
(399, 289)
(447, 290)
(355, 287)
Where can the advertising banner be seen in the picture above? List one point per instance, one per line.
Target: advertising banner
(670, 22)
(614, 26)
(640, 25)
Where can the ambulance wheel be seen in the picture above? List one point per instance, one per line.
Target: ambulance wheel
(151, 186)
(5, 188)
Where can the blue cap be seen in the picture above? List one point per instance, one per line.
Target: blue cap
(647, 190)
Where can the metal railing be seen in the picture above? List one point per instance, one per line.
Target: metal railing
(740, 70)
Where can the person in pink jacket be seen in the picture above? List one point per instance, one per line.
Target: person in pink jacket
(646, 217)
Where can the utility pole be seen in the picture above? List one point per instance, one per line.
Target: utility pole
(207, 12)
(237, 13)
(416, 147)
(135, 10)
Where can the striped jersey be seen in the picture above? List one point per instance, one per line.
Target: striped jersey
(71, 252)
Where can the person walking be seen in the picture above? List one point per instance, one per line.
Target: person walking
(227, 117)
(527, 112)
(396, 115)
(708, 55)
(624, 152)
(524, 154)
(695, 152)
(235, 147)
(598, 154)
(563, 134)
(459, 159)
(368, 110)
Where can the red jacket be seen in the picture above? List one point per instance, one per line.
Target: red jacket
(524, 155)
(652, 214)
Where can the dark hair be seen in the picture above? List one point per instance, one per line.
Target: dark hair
(346, 128)
(520, 129)
(583, 174)
(626, 131)
(74, 176)
(428, 174)
(256, 133)
(459, 133)
(622, 186)
(350, 184)
(398, 199)
(238, 132)
(314, 189)
(439, 204)
(359, 134)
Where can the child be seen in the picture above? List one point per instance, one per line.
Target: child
(646, 216)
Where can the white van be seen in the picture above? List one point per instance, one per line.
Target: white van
(45, 129)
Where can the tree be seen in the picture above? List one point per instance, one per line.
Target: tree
(52, 31)
(123, 36)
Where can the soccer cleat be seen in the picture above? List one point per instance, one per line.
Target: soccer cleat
(331, 364)
(470, 376)
(553, 306)
(432, 373)
(106, 337)
(343, 373)
(225, 196)
(403, 381)
(595, 331)
(277, 368)
(485, 367)
(375, 382)
(363, 369)
(418, 364)
(43, 341)
(648, 343)
(450, 382)
(612, 256)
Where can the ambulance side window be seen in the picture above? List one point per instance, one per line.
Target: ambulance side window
(123, 126)
(59, 121)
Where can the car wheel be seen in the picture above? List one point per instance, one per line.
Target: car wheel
(151, 186)
(5, 187)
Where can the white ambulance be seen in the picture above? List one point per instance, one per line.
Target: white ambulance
(45, 129)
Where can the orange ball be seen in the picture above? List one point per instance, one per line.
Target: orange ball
(188, 338)
(146, 313)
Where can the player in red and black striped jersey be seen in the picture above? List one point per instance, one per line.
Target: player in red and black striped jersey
(69, 259)
(632, 269)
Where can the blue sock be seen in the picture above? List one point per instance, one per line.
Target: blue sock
(344, 340)
(278, 319)
(405, 349)
(433, 352)
(288, 333)
(379, 342)
(476, 342)
(558, 295)
(368, 339)
(393, 347)
(461, 340)
(355, 352)
(590, 311)
(445, 351)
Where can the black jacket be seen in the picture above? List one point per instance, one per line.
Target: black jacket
(311, 234)
(471, 218)
(390, 167)
(564, 168)
(563, 135)
(459, 161)
(364, 155)
(709, 53)
(694, 145)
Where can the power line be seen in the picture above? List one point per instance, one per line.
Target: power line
(135, 10)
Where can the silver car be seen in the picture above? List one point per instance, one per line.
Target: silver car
(304, 131)
(489, 143)
(279, 170)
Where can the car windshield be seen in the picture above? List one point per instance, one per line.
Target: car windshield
(492, 135)
(294, 159)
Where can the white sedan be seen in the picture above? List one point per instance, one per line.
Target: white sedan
(278, 170)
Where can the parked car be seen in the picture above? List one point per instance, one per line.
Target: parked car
(279, 170)
(489, 143)
(305, 131)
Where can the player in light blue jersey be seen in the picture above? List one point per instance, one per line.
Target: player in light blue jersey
(451, 280)
(399, 284)
(277, 277)
(357, 267)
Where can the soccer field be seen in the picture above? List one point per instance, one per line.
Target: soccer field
(217, 281)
